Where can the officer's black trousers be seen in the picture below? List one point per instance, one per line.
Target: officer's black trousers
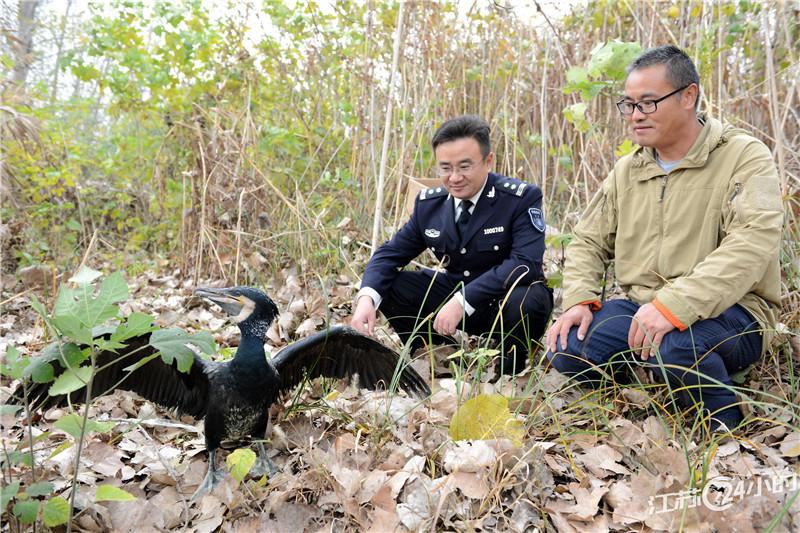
(417, 295)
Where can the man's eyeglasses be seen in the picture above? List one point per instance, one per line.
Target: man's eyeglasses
(462, 170)
(645, 106)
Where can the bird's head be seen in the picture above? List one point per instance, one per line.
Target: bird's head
(248, 307)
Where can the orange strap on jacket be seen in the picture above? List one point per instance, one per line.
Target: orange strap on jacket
(668, 315)
(594, 305)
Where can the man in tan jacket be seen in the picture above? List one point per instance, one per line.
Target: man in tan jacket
(692, 222)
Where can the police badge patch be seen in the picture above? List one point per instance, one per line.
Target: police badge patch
(537, 218)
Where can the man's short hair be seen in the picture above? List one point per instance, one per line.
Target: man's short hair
(461, 127)
(680, 68)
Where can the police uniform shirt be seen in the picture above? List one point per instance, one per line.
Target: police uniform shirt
(503, 243)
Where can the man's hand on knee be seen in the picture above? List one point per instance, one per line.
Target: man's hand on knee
(363, 319)
(578, 315)
(448, 317)
(648, 328)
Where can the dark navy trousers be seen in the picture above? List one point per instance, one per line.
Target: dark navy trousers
(713, 348)
(415, 295)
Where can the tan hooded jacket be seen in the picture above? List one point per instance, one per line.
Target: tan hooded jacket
(694, 241)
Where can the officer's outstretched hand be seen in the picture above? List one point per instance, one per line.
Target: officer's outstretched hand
(448, 317)
(578, 315)
(363, 319)
(648, 328)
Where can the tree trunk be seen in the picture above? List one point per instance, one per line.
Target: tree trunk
(23, 48)
(57, 68)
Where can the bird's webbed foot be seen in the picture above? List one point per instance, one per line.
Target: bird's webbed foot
(212, 479)
(263, 466)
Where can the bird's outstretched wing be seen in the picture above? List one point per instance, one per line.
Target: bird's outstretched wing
(341, 352)
(155, 380)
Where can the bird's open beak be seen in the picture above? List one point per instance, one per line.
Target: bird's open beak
(230, 304)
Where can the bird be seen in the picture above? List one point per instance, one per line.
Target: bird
(233, 397)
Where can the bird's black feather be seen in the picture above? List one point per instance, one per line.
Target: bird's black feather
(341, 352)
(234, 397)
(155, 380)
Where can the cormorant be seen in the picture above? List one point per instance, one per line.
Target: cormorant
(234, 396)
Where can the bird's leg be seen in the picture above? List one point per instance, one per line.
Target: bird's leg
(263, 465)
(213, 476)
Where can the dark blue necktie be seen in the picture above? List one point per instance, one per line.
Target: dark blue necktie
(463, 218)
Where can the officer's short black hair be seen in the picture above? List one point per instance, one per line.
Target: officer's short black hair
(680, 68)
(461, 127)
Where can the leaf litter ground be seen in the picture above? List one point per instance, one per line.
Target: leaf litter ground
(350, 459)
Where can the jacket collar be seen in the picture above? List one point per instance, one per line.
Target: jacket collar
(711, 136)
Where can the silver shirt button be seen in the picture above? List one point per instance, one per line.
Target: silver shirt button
(466, 273)
(463, 251)
(496, 247)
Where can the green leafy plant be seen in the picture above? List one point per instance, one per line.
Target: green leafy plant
(85, 321)
(604, 71)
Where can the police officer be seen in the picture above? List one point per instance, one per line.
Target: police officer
(487, 231)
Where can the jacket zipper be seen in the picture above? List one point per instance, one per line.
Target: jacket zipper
(737, 188)
(664, 188)
(661, 221)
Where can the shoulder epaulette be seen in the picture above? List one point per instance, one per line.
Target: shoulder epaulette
(511, 186)
(433, 192)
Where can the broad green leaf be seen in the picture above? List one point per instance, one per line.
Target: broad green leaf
(81, 304)
(14, 363)
(741, 376)
(10, 410)
(66, 302)
(101, 331)
(108, 345)
(16, 458)
(26, 511)
(240, 461)
(555, 280)
(172, 343)
(576, 75)
(41, 311)
(71, 380)
(42, 373)
(71, 327)
(136, 324)
(38, 307)
(85, 276)
(72, 355)
(627, 146)
(109, 493)
(39, 368)
(55, 512)
(608, 60)
(486, 417)
(68, 354)
(94, 311)
(7, 492)
(71, 424)
(74, 225)
(576, 115)
(42, 488)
